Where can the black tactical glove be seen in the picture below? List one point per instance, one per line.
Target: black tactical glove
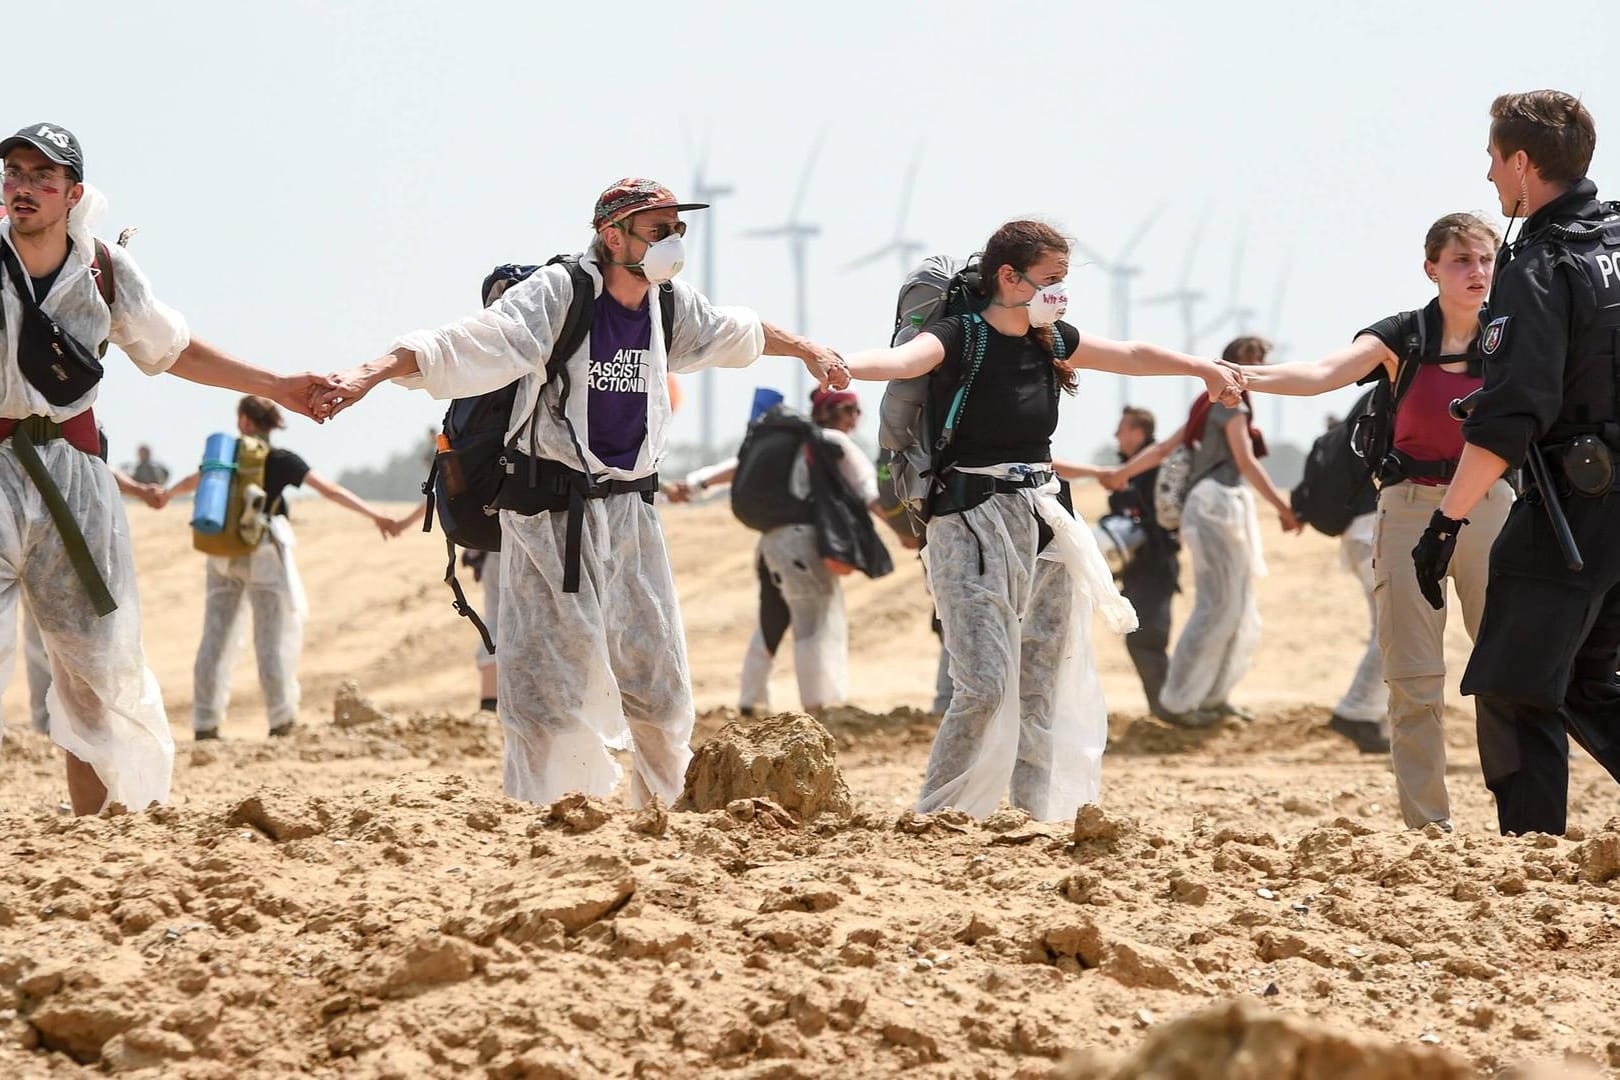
(1433, 554)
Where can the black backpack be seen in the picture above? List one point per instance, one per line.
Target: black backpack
(1338, 484)
(759, 489)
(470, 466)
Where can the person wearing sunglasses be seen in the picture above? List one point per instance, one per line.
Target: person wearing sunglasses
(64, 539)
(592, 649)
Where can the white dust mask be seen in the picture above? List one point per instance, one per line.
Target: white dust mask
(664, 259)
(1048, 304)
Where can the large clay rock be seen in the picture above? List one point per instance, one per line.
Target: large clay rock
(789, 759)
(351, 708)
(1243, 1040)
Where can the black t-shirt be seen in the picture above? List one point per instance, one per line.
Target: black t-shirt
(1012, 409)
(282, 469)
(42, 285)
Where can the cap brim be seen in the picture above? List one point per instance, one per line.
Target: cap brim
(50, 151)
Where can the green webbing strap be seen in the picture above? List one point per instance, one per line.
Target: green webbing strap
(23, 437)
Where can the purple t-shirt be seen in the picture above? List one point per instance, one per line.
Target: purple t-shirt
(617, 402)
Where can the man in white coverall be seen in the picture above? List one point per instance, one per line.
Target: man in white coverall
(592, 651)
(64, 540)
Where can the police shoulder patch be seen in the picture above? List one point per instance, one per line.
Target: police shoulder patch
(1494, 333)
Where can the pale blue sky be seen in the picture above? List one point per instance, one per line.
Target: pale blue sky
(312, 178)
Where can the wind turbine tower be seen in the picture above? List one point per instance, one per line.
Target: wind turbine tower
(907, 250)
(1185, 298)
(799, 234)
(1120, 271)
(705, 190)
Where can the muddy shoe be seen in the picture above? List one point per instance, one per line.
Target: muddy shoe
(1236, 712)
(1364, 733)
(205, 734)
(282, 730)
(1198, 718)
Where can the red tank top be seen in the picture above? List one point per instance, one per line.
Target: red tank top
(1424, 429)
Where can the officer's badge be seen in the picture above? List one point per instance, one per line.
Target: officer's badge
(1494, 334)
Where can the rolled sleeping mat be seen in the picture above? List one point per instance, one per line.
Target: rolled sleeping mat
(209, 511)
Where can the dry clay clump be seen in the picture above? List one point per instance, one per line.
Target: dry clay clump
(1241, 1040)
(789, 759)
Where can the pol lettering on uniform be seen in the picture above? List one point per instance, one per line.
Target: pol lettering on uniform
(1605, 264)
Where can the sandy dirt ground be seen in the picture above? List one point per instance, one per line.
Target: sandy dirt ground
(361, 900)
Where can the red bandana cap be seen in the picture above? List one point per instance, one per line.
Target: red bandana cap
(632, 195)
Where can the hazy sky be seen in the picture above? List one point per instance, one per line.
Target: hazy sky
(311, 179)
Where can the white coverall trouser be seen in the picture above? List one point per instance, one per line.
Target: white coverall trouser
(819, 624)
(603, 667)
(1367, 699)
(268, 578)
(1027, 716)
(1217, 645)
(104, 704)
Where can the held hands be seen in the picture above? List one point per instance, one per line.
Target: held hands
(1432, 556)
(331, 394)
(1113, 479)
(677, 491)
(827, 366)
(1225, 382)
(301, 393)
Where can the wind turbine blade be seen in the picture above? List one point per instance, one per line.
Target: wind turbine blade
(1192, 247)
(1091, 254)
(869, 259)
(770, 231)
(1141, 231)
(905, 193)
(804, 178)
(1218, 321)
(1237, 265)
(1277, 297)
(1164, 298)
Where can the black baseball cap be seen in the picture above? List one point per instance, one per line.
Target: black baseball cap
(54, 141)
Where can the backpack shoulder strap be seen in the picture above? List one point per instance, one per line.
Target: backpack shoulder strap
(581, 313)
(103, 269)
(1414, 346)
(666, 315)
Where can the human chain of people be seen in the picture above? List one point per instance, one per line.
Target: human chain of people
(1482, 453)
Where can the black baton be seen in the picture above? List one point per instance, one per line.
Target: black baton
(1460, 408)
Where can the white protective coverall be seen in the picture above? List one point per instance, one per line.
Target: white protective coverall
(1216, 647)
(606, 666)
(104, 703)
(275, 594)
(812, 592)
(1367, 698)
(1027, 716)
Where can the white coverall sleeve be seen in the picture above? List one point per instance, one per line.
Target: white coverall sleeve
(700, 477)
(502, 343)
(149, 331)
(709, 336)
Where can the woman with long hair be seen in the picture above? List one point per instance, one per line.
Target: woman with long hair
(1222, 534)
(269, 579)
(1013, 576)
(1422, 360)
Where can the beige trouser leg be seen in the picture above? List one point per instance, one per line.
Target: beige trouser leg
(1411, 634)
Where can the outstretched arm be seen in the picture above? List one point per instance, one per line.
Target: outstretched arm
(920, 355)
(1237, 437)
(203, 363)
(823, 363)
(1074, 470)
(1149, 457)
(1223, 381)
(350, 501)
(1305, 378)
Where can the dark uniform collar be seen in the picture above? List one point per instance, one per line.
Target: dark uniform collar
(1578, 203)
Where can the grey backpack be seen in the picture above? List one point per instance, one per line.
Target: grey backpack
(941, 286)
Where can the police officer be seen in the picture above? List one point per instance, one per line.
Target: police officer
(1150, 579)
(1544, 662)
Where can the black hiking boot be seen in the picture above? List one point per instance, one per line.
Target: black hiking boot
(1364, 733)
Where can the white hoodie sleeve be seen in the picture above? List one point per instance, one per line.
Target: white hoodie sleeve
(509, 339)
(709, 336)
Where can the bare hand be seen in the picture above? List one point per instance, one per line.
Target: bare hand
(153, 495)
(677, 491)
(1113, 479)
(164, 495)
(1225, 383)
(338, 391)
(1290, 522)
(388, 526)
(300, 393)
(909, 542)
(828, 367)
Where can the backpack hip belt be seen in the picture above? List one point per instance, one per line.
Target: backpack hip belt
(560, 488)
(81, 433)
